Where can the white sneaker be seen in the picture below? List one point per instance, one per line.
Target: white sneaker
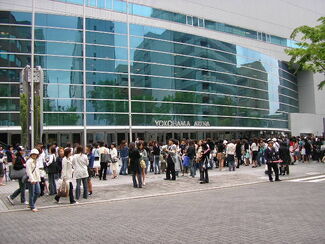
(10, 200)
(26, 203)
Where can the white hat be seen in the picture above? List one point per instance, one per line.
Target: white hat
(225, 142)
(34, 151)
(274, 139)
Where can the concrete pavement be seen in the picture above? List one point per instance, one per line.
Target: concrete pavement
(270, 213)
(121, 188)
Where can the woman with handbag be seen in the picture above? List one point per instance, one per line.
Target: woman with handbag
(114, 156)
(19, 165)
(67, 175)
(143, 160)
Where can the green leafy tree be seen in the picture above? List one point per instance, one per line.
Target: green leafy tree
(310, 55)
(24, 119)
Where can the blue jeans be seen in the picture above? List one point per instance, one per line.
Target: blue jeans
(135, 175)
(156, 164)
(125, 162)
(34, 192)
(85, 187)
(193, 167)
(52, 184)
(20, 190)
(147, 165)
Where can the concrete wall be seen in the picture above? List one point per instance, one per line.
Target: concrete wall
(306, 123)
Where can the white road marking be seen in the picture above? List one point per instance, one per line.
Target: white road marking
(313, 179)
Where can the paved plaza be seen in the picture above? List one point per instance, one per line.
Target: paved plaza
(281, 212)
(121, 188)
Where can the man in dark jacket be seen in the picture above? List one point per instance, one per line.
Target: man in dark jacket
(284, 154)
(272, 160)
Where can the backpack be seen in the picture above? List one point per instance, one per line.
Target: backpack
(105, 158)
(53, 168)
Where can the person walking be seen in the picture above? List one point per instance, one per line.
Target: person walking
(272, 159)
(59, 159)
(124, 154)
(220, 154)
(80, 165)
(156, 157)
(134, 165)
(103, 157)
(190, 152)
(91, 170)
(254, 148)
(171, 154)
(52, 170)
(230, 155)
(238, 153)
(34, 179)
(2, 171)
(19, 164)
(114, 164)
(284, 154)
(67, 174)
(143, 160)
(204, 160)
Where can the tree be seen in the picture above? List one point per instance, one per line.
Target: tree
(24, 119)
(310, 54)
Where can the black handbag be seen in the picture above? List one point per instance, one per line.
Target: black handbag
(16, 174)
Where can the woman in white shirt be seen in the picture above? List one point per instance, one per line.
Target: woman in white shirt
(80, 164)
(34, 178)
(67, 174)
(254, 148)
(114, 156)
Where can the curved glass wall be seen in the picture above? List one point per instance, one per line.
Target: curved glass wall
(174, 75)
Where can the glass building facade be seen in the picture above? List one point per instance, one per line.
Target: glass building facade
(93, 68)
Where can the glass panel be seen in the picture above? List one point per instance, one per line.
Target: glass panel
(58, 48)
(58, 35)
(106, 52)
(106, 39)
(20, 18)
(63, 105)
(189, 20)
(119, 6)
(58, 21)
(22, 32)
(107, 106)
(63, 91)
(141, 10)
(106, 26)
(10, 75)
(9, 105)
(96, 78)
(107, 119)
(9, 90)
(63, 119)
(14, 60)
(50, 62)
(68, 77)
(98, 92)
(195, 21)
(107, 65)
(9, 119)
(15, 46)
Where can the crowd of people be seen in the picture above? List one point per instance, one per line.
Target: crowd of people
(44, 166)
